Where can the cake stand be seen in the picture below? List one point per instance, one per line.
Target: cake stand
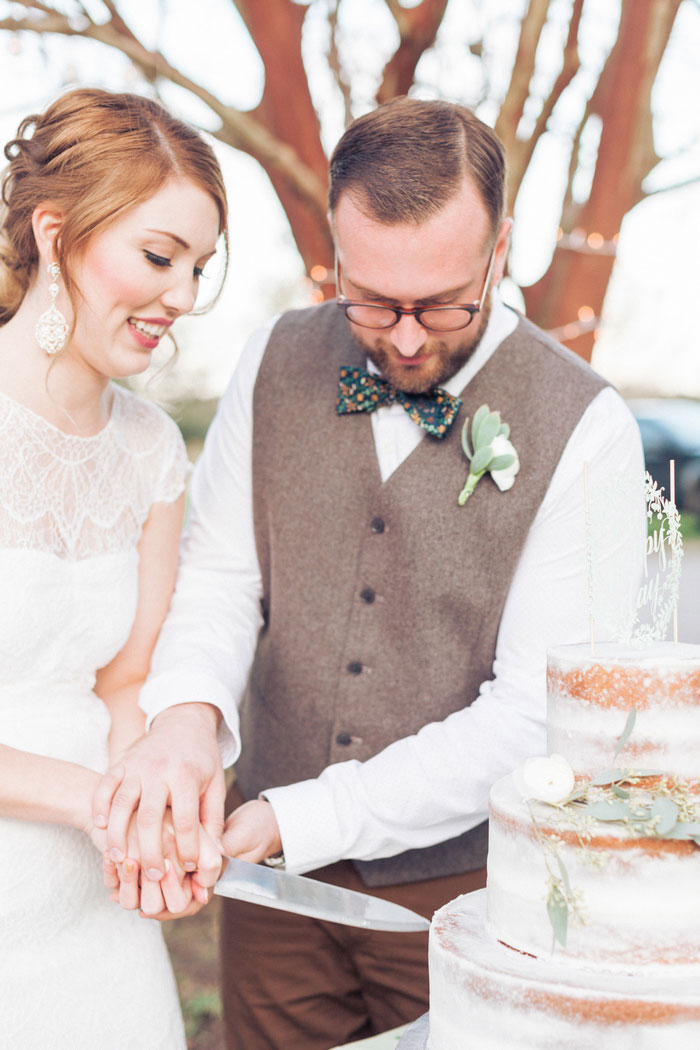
(416, 1037)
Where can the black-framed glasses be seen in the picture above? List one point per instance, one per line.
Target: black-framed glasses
(435, 318)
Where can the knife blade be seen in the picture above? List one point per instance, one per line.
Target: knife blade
(273, 888)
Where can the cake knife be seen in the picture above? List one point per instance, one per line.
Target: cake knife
(278, 889)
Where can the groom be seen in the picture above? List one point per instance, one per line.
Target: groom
(385, 644)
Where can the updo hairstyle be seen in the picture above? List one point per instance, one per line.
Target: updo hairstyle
(92, 155)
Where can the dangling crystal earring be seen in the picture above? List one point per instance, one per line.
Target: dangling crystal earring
(52, 328)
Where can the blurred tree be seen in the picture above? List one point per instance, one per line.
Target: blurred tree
(283, 133)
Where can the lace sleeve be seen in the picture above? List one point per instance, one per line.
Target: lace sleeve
(175, 465)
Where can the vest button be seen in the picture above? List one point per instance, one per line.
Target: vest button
(376, 525)
(368, 595)
(355, 667)
(344, 739)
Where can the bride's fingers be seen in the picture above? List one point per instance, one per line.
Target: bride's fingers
(176, 888)
(152, 903)
(110, 873)
(129, 893)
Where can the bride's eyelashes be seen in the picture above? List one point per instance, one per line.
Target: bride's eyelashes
(160, 260)
(157, 260)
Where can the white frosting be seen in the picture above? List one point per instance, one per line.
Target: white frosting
(639, 897)
(590, 696)
(486, 996)
(629, 977)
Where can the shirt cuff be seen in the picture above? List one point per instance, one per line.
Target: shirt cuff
(174, 688)
(308, 824)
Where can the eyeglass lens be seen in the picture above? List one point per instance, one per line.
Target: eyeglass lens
(439, 320)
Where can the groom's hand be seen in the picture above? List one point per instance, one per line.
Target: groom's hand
(251, 832)
(177, 765)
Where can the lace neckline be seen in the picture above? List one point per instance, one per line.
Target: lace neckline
(77, 438)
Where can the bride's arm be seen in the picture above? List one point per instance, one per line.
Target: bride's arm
(119, 683)
(33, 787)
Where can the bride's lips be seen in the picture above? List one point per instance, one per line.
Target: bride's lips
(148, 331)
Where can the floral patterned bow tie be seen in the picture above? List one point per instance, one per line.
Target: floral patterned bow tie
(361, 391)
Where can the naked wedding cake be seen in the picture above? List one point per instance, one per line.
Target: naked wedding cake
(588, 934)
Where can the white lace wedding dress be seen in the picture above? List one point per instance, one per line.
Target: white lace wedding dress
(76, 971)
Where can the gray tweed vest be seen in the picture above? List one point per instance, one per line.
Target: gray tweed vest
(382, 601)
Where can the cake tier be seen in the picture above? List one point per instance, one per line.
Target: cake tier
(589, 699)
(484, 996)
(638, 897)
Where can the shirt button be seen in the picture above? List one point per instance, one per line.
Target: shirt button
(368, 595)
(376, 525)
(355, 667)
(344, 739)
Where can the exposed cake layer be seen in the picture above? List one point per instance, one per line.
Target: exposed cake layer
(589, 699)
(637, 897)
(484, 996)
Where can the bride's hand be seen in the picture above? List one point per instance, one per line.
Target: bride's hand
(198, 883)
(178, 893)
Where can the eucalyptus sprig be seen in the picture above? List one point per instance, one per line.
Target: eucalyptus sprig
(663, 810)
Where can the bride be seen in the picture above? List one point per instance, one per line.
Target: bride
(111, 210)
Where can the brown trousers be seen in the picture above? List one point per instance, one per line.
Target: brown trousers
(294, 983)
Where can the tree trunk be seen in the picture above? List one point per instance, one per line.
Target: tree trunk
(287, 111)
(578, 274)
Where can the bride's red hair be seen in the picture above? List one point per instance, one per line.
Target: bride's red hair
(92, 154)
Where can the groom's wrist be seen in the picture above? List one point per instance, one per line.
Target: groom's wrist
(206, 715)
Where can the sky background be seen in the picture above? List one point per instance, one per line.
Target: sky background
(649, 340)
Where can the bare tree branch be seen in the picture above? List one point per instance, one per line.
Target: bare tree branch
(674, 186)
(335, 64)
(521, 74)
(397, 11)
(523, 150)
(418, 28)
(238, 129)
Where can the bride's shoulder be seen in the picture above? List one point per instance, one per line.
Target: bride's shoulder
(155, 448)
(141, 423)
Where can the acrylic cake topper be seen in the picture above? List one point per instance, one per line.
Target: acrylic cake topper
(655, 561)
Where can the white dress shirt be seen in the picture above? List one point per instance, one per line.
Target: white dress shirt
(433, 785)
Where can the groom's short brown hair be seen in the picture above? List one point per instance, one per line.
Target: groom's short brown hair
(403, 161)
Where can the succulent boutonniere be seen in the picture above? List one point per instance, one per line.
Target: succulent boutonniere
(492, 452)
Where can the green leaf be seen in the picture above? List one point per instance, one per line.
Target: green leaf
(481, 459)
(501, 462)
(684, 829)
(465, 438)
(619, 792)
(610, 776)
(564, 874)
(576, 794)
(479, 415)
(609, 810)
(504, 430)
(629, 726)
(487, 430)
(558, 912)
(667, 811)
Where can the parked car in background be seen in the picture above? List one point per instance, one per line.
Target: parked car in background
(670, 429)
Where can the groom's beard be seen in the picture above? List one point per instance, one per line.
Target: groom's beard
(443, 359)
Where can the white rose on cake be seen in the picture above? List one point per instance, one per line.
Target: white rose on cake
(545, 779)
